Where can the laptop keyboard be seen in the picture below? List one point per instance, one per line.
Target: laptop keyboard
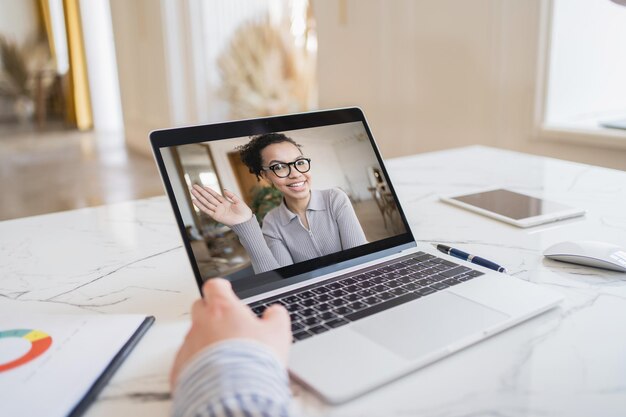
(324, 306)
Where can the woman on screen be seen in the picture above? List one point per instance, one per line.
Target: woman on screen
(307, 224)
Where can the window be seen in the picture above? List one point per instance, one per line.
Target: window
(584, 67)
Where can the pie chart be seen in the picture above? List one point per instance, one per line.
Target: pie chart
(39, 343)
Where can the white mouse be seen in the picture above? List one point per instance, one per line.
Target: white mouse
(590, 253)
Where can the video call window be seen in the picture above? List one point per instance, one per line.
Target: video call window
(253, 227)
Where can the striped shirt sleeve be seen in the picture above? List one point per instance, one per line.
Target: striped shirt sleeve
(264, 256)
(235, 377)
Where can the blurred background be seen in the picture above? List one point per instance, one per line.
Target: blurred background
(83, 82)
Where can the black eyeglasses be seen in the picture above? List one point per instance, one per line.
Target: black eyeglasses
(283, 169)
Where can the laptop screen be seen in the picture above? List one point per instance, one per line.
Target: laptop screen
(273, 206)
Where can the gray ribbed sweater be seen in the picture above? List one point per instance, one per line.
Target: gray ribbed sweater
(285, 241)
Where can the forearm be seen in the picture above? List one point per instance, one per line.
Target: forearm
(252, 239)
(234, 377)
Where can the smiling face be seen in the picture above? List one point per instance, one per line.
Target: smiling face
(297, 185)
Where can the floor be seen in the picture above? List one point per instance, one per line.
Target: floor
(64, 170)
(372, 221)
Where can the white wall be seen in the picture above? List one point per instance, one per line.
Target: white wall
(18, 20)
(436, 74)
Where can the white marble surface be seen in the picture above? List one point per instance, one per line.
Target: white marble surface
(571, 361)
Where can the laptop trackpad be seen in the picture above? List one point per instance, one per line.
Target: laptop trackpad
(418, 328)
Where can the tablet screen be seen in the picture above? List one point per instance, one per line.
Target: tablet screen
(510, 204)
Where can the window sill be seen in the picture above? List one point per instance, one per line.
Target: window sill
(583, 135)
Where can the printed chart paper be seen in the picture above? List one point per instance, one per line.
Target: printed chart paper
(49, 362)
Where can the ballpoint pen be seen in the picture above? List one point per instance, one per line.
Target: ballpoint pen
(470, 258)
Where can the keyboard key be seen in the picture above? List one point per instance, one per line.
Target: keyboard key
(327, 315)
(296, 326)
(323, 307)
(382, 306)
(384, 296)
(307, 312)
(311, 321)
(338, 293)
(348, 281)
(320, 290)
(301, 335)
(293, 307)
(365, 293)
(294, 317)
(338, 302)
(352, 297)
(393, 275)
(319, 329)
(463, 278)
(450, 282)
(393, 284)
(372, 300)
(398, 291)
(474, 273)
(259, 309)
(343, 310)
(456, 271)
(337, 323)
(306, 294)
(437, 277)
(424, 282)
(366, 284)
(379, 288)
(378, 280)
(322, 298)
(334, 285)
(440, 286)
(405, 280)
(352, 288)
(357, 305)
(308, 302)
(411, 287)
(291, 299)
(425, 291)
(362, 277)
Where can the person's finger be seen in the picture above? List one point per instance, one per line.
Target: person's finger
(231, 196)
(208, 206)
(218, 288)
(213, 194)
(277, 316)
(205, 197)
(197, 309)
(199, 198)
(208, 210)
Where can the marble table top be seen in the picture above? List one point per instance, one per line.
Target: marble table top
(570, 361)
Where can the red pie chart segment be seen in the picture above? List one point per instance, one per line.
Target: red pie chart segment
(39, 343)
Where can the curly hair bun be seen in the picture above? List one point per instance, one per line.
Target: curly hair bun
(250, 153)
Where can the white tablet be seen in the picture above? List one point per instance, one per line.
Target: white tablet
(518, 209)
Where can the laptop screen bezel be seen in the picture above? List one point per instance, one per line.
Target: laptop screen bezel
(301, 271)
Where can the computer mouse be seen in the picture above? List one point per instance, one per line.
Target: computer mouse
(590, 253)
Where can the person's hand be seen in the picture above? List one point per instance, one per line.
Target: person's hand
(227, 209)
(220, 315)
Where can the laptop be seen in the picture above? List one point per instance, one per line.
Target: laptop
(364, 312)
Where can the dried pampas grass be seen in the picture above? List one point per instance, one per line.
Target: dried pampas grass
(264, 73)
